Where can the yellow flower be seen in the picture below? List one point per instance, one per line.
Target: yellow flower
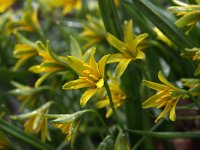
(37, 121)
(129, 50)
(5, 4)
(68, 123)
(190, 13)
(194, 54)
(94, 31)
(168, 95)
(91, 75)
(24, 50)
(25, 20)
(68, 5)
(162, 37)
(193, 85)
(50, 64)
(118, 95)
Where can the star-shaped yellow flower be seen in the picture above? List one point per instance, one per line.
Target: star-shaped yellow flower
(190, 13)
(168, 96)
(37, 121)
(94, 31)
(24, 50)
(129, 50)
(51, 63)
(23, 20)
(91, 75)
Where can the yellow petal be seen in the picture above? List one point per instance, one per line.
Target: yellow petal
(121, 67)
(116, 43)
(87, 95)
(67, 9)
(102, 103)
(76, 64)
(116, 57)
(140, 55)
(164, 80)
(151, 102)
(163, 113)
(36, 69)
(76, 84)
(109, 113)
(136, 42)
(155, 86)
(42, 78)
(102, 63)
(100, 83)
(128, 32)
(94, 64)
(172, 114)
(5, 4)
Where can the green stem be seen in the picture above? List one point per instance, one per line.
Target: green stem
(166, 135)
(112, 105)
(19, 134)
(144, 137)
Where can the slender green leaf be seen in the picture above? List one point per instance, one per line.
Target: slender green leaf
(164, 24)
(19, 134)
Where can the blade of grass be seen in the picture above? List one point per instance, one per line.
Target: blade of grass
(20, 135)
(164, 24)
(110, 17)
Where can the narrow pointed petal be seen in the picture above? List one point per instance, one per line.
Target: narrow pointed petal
(116, 58)
(76, 64)
(87, 95)
(109, 113)
(121, 67)
(102, 103)
(172, 114)
(76, 84)
(140, 55)
(136, 42)
(164, 80)
(102, 63)
(42, 78)
(151, 102)
(93, 63)
(128, 32)
(155, 86)
(116, 43)
(163, 113)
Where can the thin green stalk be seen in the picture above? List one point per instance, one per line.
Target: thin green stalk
(144, 137)
(112, 105)
(194, 100)
(100, 119)
(20, 135)
(166, 135)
